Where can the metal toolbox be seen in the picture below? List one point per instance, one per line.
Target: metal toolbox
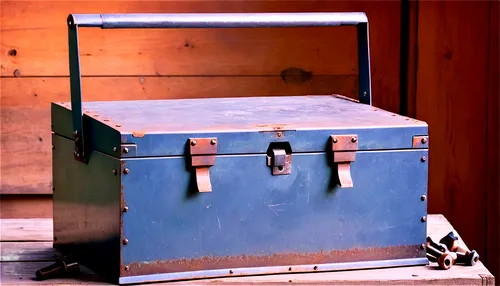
(159, 190)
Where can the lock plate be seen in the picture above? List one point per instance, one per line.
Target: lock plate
(344, 149)
(280, 162)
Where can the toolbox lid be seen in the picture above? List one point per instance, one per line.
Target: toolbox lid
(242, 125)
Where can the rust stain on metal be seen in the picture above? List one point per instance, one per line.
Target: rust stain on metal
(282, 259)
(272, 127)
(345, 98)
(138, 134)
(420, 141)
(202, 146)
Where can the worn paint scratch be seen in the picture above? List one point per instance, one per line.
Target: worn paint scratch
(218, 220)
(388, 227)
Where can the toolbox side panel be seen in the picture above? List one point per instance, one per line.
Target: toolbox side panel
(254, 219)
(86, 208)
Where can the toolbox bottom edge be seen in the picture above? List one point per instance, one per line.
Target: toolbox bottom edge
(222, 273)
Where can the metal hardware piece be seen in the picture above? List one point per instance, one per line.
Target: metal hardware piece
(420, 142)
(280, 162)
(128, 150)
(203, 151)
(62, 267)
(344, 149)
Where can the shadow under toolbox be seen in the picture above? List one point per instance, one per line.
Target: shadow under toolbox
(159, 190)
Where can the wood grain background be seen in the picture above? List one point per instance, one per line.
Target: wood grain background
(433, 60)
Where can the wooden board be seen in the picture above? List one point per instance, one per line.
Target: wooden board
(17, 271)
(22, 206)
(451, 95)
(32, 229)
(493, 147)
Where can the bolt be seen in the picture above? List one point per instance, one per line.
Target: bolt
(354, 139)
(125, 150)
(423, 219)
(335, 140)
(127, 267)
(230, 271)
(213, 142)
(423, 198)
(423, 159)
(126, 171)
(125, 241)
(193, 143)
(115, 149)
(115, 172)
(125, 209)
(424, 140)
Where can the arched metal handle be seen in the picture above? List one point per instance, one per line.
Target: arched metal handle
(207, 20)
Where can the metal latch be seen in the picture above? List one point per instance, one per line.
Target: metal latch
(203, 151)
(344, 149)
(280, 162)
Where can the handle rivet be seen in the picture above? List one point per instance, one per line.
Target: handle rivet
(424, 140)
(213, 142)
(335, 140)
(193, 142)
(354, 139)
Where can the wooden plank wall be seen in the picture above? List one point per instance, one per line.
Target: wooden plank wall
(456, 74)
(188, 63)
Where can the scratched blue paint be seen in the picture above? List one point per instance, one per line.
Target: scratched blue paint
(251, 212)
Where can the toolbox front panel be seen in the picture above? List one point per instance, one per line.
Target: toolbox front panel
(254, 219)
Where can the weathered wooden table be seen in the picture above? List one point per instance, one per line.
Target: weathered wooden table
(26, 245)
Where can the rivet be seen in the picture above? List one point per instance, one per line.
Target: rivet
(125, 241)
(280, 134)
(12, 52)
(126, 171)
(335, 140)
(193, 142)
(422, 246)
(75, 133)
(289, 268)
(213, 142)
(53, 147)
(127, 267)
(354, 139)
(55, 238)
(423, 219)
(115, 172)
(17, 73)
(423, 198)
(230, 271)
(118, 125)
(125, 209)
(115, 149)
(53, 188)
(424, 140)
(423, 159)
(365, 93)
(125, 150)
(315, 267)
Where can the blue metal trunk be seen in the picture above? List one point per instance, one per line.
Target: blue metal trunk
(140, 215)
(159, 190)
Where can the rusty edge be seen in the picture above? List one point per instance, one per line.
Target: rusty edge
(138, 134)
(345, 98)
(287, 260)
